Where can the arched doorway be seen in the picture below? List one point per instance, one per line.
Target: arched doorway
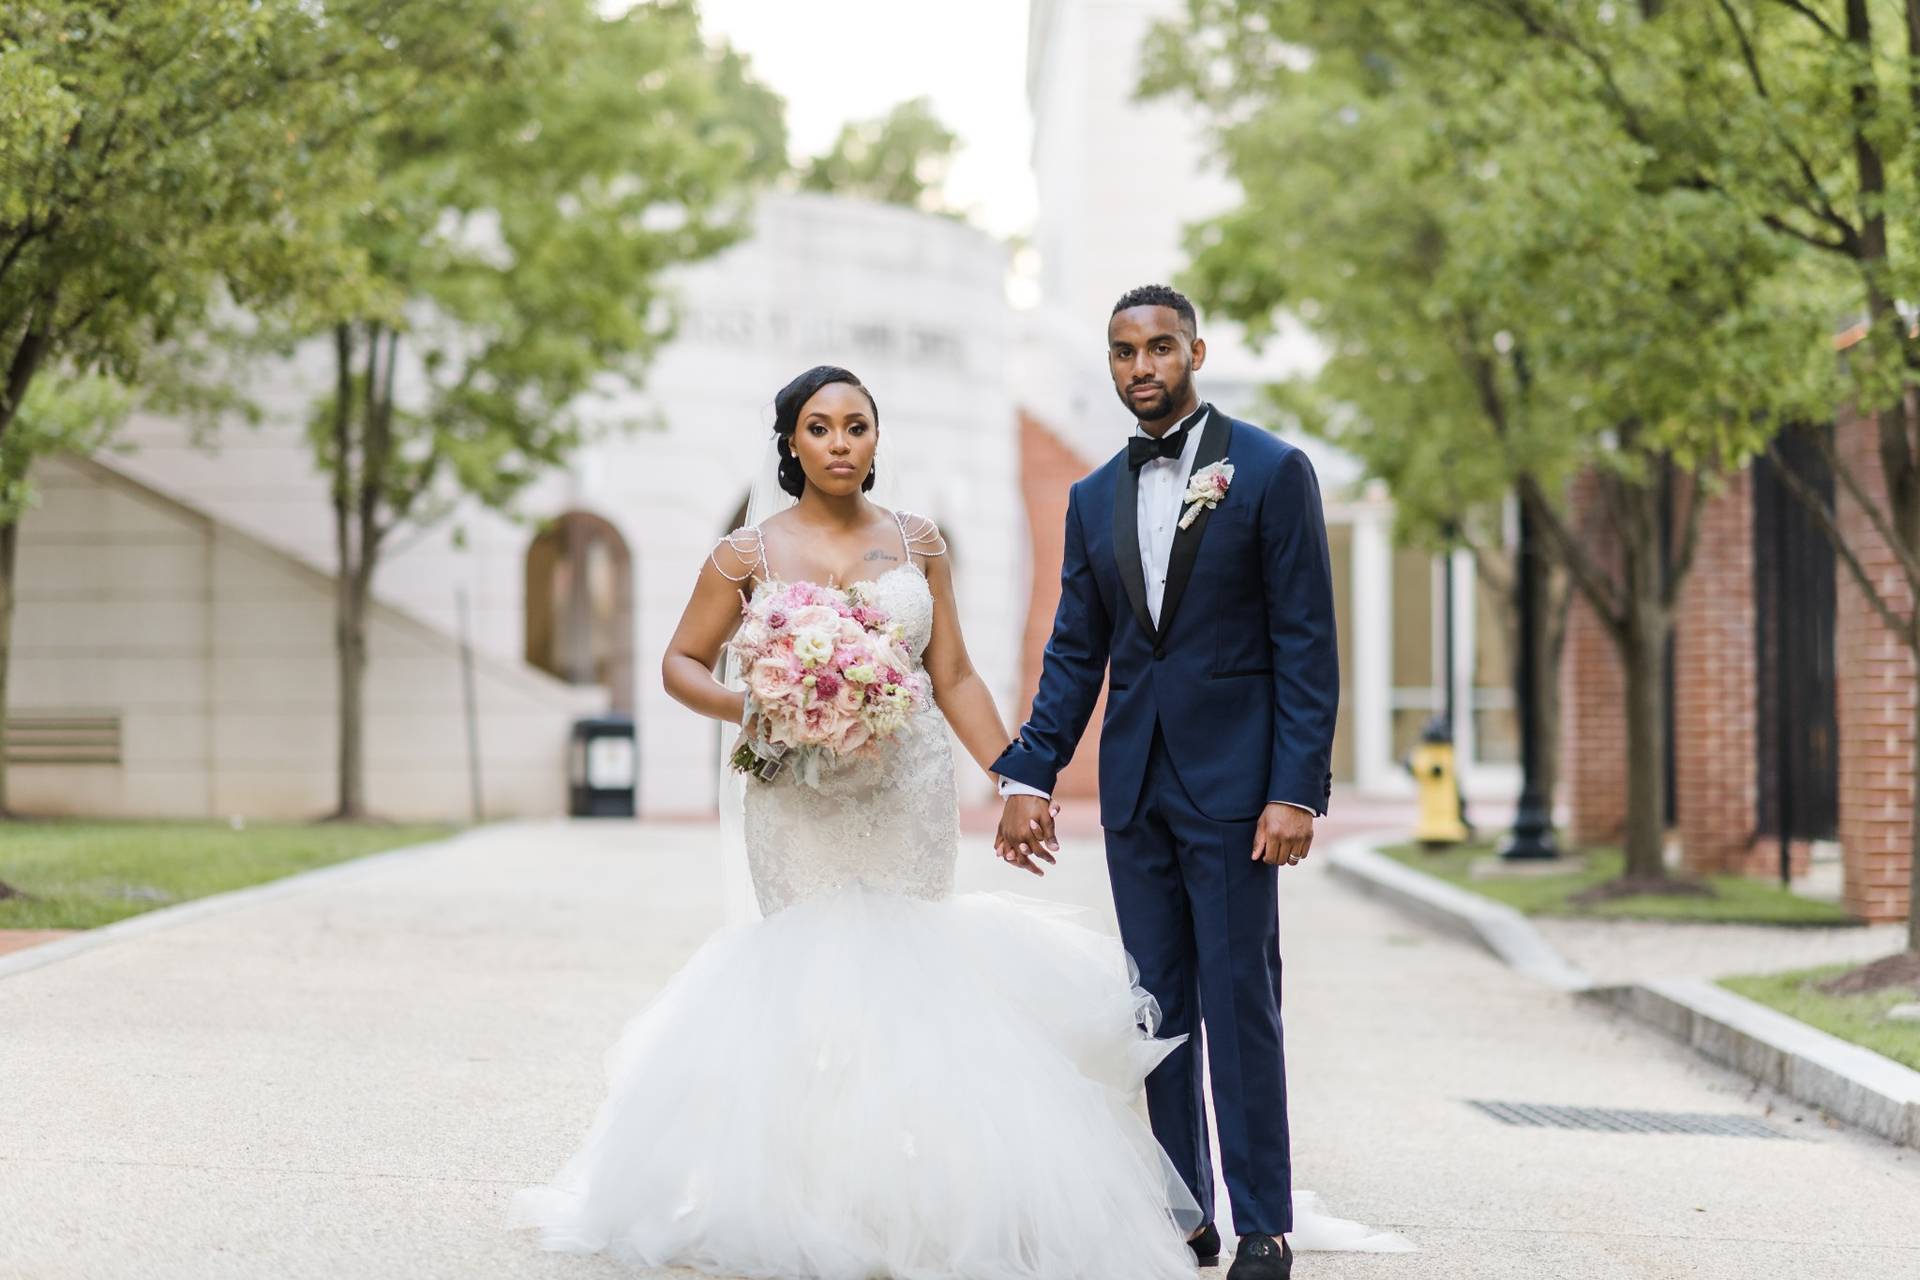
(580, 605)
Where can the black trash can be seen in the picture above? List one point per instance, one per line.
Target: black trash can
(603, 767)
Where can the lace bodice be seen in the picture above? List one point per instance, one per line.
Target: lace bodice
(905, 595)
(889, 824)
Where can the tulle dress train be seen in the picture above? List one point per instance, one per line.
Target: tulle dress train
(881, 1079)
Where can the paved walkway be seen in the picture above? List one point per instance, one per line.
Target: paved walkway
(349, 1081)
(1623, 951)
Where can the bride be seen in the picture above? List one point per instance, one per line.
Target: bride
(879, 1078)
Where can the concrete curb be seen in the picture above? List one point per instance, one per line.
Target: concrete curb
(169, 917)
(1492, 925)
(1857, 1085)
(1847, 1082)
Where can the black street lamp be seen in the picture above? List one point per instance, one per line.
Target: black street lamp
(1532, 835)
(1446, 684)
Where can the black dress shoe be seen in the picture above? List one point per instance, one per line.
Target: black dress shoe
(1206, 1246)
(1262, 1258)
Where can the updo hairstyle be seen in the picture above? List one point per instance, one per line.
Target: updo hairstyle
(786, 420)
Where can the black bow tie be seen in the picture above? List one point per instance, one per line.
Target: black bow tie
(1144, 449)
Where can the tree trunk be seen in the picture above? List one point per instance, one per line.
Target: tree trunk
(28, 355)
(1642, 652)
(1635, 606)
(360, 466)
(350, 636)
(1640, 635)
(349, 621)
(1556, 596)
(9, 545)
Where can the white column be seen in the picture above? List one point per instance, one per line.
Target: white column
(1465, 623)
(1372, 684)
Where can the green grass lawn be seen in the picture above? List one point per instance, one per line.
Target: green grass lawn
(1736, 900)
(1861, 1019)
(77, 875)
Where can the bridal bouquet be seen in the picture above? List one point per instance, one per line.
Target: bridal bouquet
(828, 677)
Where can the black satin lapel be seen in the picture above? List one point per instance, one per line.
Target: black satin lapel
(1186, 542)
(1126, 543)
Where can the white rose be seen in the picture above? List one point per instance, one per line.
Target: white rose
(812, 647)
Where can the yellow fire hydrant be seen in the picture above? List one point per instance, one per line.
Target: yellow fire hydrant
(1432, 767)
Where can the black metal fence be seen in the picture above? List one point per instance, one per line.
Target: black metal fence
(1793, 589)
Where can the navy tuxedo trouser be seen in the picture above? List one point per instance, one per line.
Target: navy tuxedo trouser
(1201, 919)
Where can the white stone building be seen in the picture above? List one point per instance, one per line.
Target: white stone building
(210, 663)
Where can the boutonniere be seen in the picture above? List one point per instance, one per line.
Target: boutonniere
(1205, 488)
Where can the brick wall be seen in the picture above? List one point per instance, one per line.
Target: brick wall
(1593, 693)
(1716, 731)
(1047, 468)
(1874, 697)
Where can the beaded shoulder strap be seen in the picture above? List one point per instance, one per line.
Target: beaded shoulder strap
(749, 547)
(920, 535)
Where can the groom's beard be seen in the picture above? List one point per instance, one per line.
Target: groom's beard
(1160, 407)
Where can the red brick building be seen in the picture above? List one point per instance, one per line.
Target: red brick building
(1791, 701)
(1048, 469)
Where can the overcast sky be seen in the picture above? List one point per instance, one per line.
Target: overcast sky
(840, 60)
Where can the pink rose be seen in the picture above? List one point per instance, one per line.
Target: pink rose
(784, 727)
(848, 697)
(823, 723)
(826, 686)
(777, 620)
(773, 681)
(814, 617)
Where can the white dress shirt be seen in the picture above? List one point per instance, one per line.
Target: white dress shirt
(1163, 483)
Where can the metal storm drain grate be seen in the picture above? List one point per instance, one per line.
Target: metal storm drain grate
(1613, 1120)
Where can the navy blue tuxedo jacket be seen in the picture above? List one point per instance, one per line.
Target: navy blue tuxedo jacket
(1242, 674)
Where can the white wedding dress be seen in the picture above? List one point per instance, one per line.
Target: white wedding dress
(881, 1079)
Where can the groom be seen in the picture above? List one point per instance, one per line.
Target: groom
(1196, 580)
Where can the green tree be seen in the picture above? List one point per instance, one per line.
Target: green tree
(1800, 116)
(160, 159)
(516, 243)
(899, 158)
(1514, 291)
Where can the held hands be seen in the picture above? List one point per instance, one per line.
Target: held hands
(1026, 836)
(1026, 833)
(1284, 835)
